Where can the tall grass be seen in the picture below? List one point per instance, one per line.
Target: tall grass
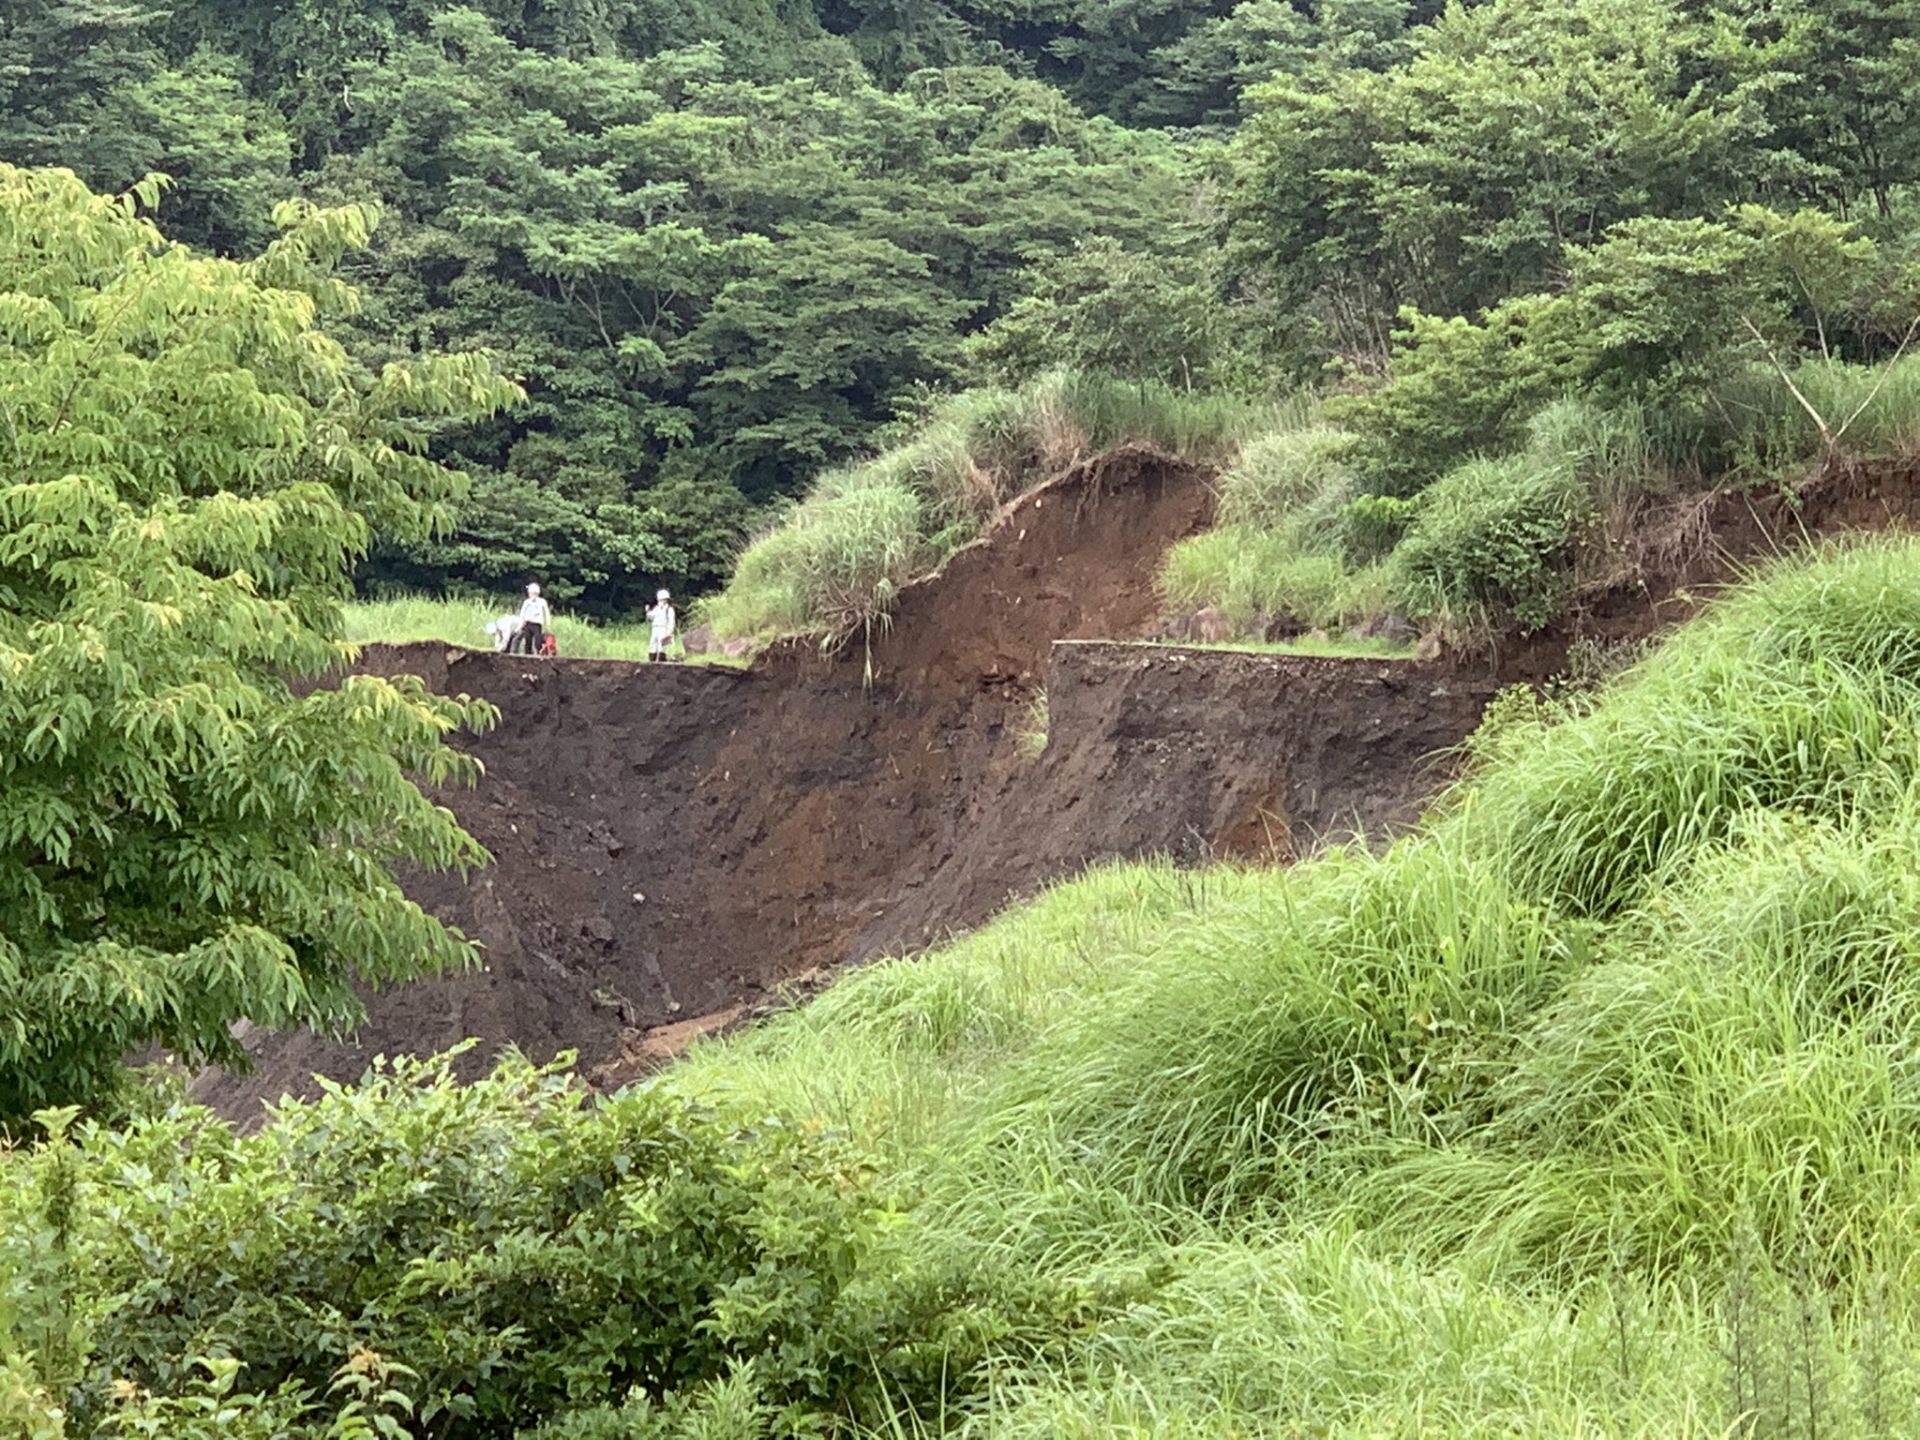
(1591, 1108)
(1280, 553)
(1255, 577)
(1284, 472)
(1493, 540)
(1759, 428)
(834, 562)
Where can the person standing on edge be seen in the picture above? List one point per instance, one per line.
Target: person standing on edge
(534, 619)
(661, 613)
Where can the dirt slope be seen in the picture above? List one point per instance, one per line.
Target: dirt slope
(674, 841)
(771, 819)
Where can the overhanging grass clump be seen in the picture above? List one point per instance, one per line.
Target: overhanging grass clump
(834, 562)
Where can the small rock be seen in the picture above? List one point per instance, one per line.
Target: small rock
(1429, 646)
(1394, 628)
(699, 640)
(1206, 627)
(597, 927)
(734, 649)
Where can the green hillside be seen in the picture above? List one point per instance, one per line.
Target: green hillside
(1588, 1109)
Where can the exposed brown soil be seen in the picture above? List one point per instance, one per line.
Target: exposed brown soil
(1670, 555)
(674, 842)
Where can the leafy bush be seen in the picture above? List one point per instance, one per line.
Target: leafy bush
(192, 467)
(1493, 537)
(1458, 388)
(502, 1252)
(1371, 525)
(1137, 315)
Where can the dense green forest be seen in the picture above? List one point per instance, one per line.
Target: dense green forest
(1590, 1108)
(726, 244)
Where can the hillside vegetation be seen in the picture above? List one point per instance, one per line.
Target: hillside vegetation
(730, 246)
(1475, 487)
(1590, 1108)
(1587, 1109)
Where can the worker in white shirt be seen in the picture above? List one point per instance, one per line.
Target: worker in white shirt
(664, 624)
(534, 619)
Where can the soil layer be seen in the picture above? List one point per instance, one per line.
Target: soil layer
(674, 842)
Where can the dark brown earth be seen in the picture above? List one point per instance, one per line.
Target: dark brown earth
(674, 842)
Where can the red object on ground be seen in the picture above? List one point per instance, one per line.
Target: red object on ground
(547, 647)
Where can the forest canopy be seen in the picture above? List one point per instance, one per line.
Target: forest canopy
(728, 244)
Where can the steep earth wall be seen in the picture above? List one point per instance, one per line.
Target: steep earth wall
(675, 841)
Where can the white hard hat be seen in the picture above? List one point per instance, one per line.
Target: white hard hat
(661, 596)
(533, 589)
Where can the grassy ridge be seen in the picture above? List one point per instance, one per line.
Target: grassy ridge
(464, 622)
(832, 563)
(1528, 1125)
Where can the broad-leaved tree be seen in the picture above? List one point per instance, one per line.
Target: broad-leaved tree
(192, 830)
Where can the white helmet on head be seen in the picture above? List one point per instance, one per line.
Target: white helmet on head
(661, 596)
(533, 589)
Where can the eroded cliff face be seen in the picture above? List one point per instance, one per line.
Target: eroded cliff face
(672, 842)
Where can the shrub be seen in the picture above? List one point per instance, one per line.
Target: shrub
(1458, 388)
(1371, 525)
(1493, 537)
(502, 1251)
